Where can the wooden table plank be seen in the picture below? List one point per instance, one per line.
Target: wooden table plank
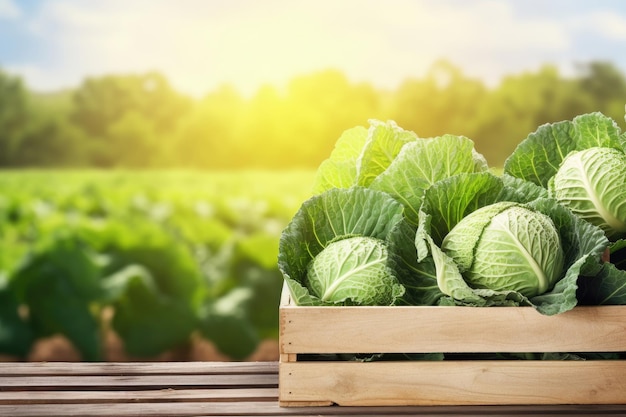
(136, 368)
(271, 409)
(195, 389)
(154, 395)
(114, 382)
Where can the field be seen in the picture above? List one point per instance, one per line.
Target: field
(150, 261)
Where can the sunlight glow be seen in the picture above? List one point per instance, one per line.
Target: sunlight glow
(200, 45)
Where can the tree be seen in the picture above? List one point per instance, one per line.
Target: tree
(298, 128)
(445, 101)
(49, 142)
(519, 105)
(14, 116)
(318, 108)
(101, 103)
(210, 135)
(606, 85)
(136, 142)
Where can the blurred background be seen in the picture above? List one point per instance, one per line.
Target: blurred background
(152, 152)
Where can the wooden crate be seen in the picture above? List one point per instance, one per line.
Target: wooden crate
(333, 330)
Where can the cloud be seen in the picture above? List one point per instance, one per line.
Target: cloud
(9, 10)
(605, 23)
(39, 77)
(200, 44)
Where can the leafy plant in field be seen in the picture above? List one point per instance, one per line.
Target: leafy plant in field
(168, 261)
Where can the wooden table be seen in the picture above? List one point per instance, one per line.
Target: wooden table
(193, 389)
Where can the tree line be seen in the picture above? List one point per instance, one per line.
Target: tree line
(141, 121)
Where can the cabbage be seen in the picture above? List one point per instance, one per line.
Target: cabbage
(582, 163)
(340, 248)
(502, 242)
(371, 186)
(592, 183)
(397, 219)
(353, 269)
(507, 246)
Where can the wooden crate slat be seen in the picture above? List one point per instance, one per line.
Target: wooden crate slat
(454, 382)
(450, 329)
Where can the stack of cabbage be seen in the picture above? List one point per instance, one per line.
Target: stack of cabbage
(396, 220)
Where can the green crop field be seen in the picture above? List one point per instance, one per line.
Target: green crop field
(170, 253)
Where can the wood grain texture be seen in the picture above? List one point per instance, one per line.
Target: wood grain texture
(169, 389)
(454, 382)
(450, 329)
(466, 330)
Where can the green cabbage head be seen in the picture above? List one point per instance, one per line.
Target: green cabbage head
(507, 247)
(592, 184)
(354, 268)
(345, 247)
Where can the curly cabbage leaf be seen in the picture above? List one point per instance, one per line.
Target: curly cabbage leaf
(582, 243)
(582, 164)
(360, 155)
(423, 163)
(608, 285)
(538, 157)
(318, 228)
(390, 159)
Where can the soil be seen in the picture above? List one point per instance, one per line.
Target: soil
(60, 349)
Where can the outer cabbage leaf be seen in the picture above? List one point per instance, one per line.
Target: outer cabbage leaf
(449, 279)
(617, 254)
(597, 130)
(538, 157)
(608, 285)
(360, 155)
(524, 190)
(326, 218)
(454, 198)
(419, 278)
(384, 142)
(339, 170)
(422, 163)
(583, 245)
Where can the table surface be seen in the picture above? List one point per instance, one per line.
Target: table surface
(194, 389)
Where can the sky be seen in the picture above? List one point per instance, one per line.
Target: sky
(200, 45)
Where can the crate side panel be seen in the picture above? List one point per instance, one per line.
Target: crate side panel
(450, 329)
(454, 383)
